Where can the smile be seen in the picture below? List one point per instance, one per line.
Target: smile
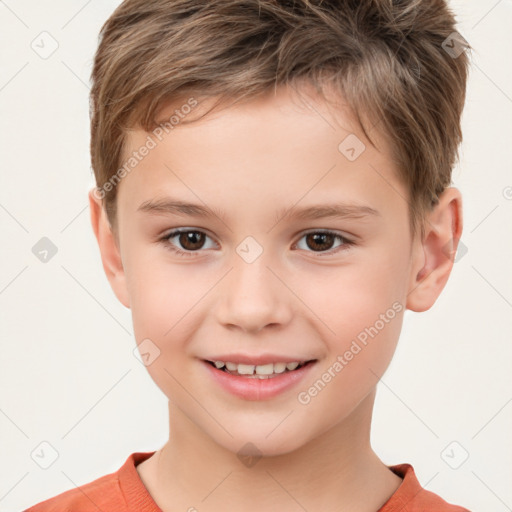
(263, 371)
(258, 382)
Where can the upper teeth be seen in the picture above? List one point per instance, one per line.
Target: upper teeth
(261, 369)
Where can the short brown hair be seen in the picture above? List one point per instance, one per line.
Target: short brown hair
(388, 58)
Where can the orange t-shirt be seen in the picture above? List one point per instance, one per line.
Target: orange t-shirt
(123, 491)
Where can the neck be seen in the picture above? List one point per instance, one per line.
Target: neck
(336, 469)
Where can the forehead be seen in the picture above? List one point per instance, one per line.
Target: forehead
(280, 147)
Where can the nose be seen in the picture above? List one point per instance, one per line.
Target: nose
(253, 297)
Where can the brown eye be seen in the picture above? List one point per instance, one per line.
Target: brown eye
(320, 241)
(191, 240)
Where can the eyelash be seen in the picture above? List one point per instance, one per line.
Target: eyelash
(347, 244)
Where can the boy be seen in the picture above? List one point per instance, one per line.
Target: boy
(272, 195)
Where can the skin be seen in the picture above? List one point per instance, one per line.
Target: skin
(254, 159)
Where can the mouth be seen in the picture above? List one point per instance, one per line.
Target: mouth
(263, 381)
(262, 371)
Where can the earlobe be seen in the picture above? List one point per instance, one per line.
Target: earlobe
(435, 255)
(109, 249)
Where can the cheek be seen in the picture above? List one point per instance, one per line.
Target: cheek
(349, 298)
(163, 312)
(156, 291)
(167, 303)
(358, 357)
(360, 310)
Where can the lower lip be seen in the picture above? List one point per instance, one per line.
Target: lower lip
(255, 388)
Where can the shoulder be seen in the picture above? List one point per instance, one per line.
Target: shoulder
(115, 491)
(90, 497)
(412, 497)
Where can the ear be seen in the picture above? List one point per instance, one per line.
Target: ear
(434, 255)
(109, 248)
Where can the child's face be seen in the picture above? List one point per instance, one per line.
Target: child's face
(254, 283)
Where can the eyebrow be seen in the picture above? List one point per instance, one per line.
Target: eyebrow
(166, 206)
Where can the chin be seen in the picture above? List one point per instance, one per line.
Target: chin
(252, 444)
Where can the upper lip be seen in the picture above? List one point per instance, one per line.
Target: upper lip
(257, 360)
